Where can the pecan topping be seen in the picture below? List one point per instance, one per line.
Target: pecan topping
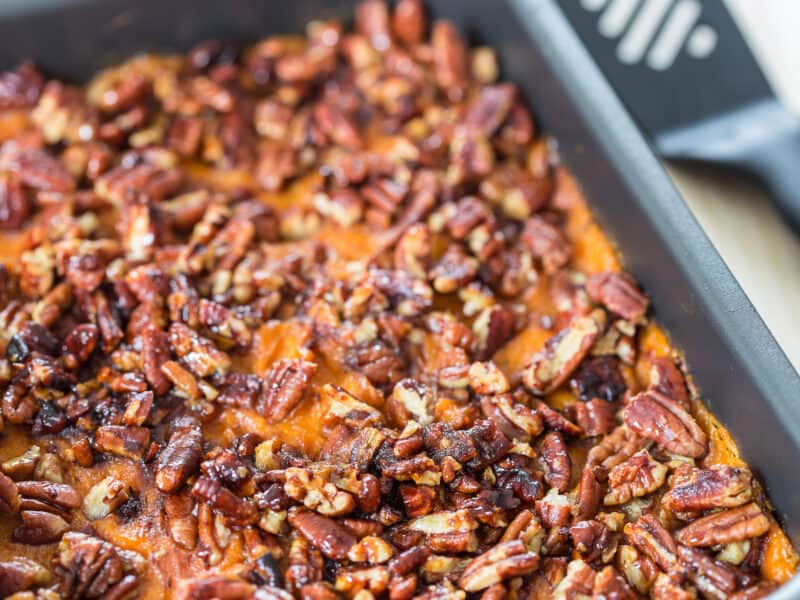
(562, 354)
(333, 540)
(88, 567)
(695, 490)
(636, 477)
(179, 459)
(619, 294)
(506, 560)
(556, 460)
(721, 528)
(284, 386)
(657, 418)
(649, 536)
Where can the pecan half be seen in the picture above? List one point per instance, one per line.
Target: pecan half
(236, 509)
(563, 353)
(636, 477)
(179, 459)
(556, 460)
(721, 528)
(619, 294)
(547, 243)
(88, 567)
(128, 442)
(662, 420)
(649, 536)
(504, 561)
(284, 386)
(720, 486)
(333, 540)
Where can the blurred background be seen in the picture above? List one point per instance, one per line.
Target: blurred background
(762, 252)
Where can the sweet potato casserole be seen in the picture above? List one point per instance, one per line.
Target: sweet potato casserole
(323, 317)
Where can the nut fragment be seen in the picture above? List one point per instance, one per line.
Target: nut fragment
(562, 353)
(104, 498)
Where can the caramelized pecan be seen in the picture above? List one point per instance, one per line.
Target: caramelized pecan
(284, 386)
(556, 461)
(720, 486)
(563, 353)
(179, 459)
(655, 417)
(506, 560)
(649, 536)
(636, 477)
(333, 540)
(618, 293)
(732, 525)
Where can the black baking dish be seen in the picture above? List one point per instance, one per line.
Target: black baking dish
(744, 376)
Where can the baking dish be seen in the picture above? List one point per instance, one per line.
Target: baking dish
(740, 370)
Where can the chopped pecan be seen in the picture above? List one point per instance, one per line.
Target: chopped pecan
(619, 294)
(410, 400)
(487, 378)
(595, 417)
(609, 584)
(636, 477)
(578, 582)
(662, 420)
(224, 501)
(199, 353)
(506, 560)
(9, 496)
(284, 386)
(316, 493)
(720, 486)
(454, 270)
(590, 538)
(21, 87)
(615, 448)
(494, 326)
(128, 442)
(182, 523)
(105, 497)
(721, 528)
(333, 540)
(412, 252)
(598, 378)
(563, 353)
(490, 108)
(155, 352)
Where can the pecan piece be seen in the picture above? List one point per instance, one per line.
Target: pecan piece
(619, 294)
(732, 525)
(487, 378)
(450, 60)
(590, 538)
(666, 377)
(504, 561)
(15, 206)
(237, 510)
(491, 107)
(21, 87)
(283, 387)
(129, 442)
(556, 461)
(9, 496)
(316, 493)
(547, 243)
(636, 477)
(649, 536)
(713, 578)
(720, 486)
(88, 567)
(105, 497)
(409, 21)
(155, 352)
(662, 420)
(179, 459)
(515, 420)
(609, 584)
(37, 169)
(333, 540)
(19, 574)
(562, 353)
